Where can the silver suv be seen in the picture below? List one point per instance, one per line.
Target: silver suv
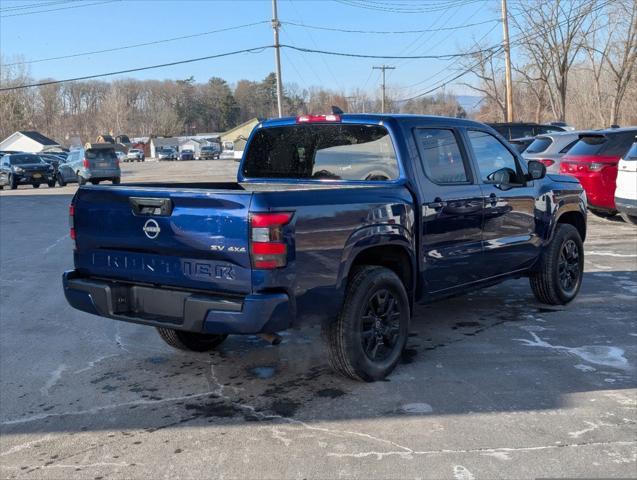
(92, 164)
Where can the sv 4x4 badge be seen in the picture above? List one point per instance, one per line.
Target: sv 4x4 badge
(232, 249)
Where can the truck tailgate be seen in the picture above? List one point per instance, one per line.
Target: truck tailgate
(188, 238)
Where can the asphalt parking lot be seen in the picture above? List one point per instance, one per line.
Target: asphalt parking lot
(492, 384)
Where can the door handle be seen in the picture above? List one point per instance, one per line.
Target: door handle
(493, 199)
(437, 204)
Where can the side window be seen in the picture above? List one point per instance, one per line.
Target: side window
(491, 155)
(441, 157)
(569, 146)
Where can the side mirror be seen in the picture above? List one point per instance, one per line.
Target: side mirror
(501, 176)
(537, 170)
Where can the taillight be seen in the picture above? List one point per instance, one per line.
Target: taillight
(596, 166)
(318, 118)
(85, 163)
(547, 162)
(267, 247)
(72, 224)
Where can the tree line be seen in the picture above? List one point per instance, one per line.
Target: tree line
(86, 109)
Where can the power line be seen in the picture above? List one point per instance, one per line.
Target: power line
(391, 32)
(255, 49)
(61, 8)
(125, 47)
(519, 38)
(406, 57)
(407, 8)
(139, 69)
(36, 5)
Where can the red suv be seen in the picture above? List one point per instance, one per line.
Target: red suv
(593, 161)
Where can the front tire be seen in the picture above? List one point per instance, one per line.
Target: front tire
(51, 184)
(365, 342)
(631, 219)
(81, 180)
(61, 181)
(559, 277)
(116, 181)
(13, 182)
(36, 185)
(194, 342)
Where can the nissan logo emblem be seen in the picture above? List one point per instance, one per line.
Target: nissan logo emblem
(151, 229)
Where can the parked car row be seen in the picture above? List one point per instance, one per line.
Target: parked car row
(94, 163)
(594, 158)
(207, 152)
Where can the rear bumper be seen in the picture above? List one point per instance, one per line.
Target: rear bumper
(178, 309)
(101, 174)
(626, 205)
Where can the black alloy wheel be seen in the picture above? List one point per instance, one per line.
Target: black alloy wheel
(380, 325)
(569, 266)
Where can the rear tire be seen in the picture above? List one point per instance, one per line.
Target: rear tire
(36, 185)
(631, 219)
(365, 342)
(51, 184)
(116, 181)
(95, 182)
(559, 277)
(13, 182)
(194, 342)
(81, 180)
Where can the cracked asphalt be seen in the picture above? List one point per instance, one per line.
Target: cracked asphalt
(492, 384)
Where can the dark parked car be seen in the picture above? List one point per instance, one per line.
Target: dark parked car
(346, 220)
(25, 169)
(209, 152)
(593, 161)
(520, 129)
(186, 155)
(94, 164)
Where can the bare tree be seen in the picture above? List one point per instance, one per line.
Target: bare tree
(488, 69)
(554, 33)
(612, 50)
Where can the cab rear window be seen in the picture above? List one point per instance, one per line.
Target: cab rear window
(322, 152)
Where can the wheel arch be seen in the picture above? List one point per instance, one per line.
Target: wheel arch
(392, 249)
(575, 218)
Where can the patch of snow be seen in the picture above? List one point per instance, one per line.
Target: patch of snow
(596, 354)
(416, 408)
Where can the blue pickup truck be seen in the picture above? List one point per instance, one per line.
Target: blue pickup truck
(354, 218)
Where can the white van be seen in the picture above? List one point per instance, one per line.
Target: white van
(626, 191)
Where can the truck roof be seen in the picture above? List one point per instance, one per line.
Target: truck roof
(381, 117)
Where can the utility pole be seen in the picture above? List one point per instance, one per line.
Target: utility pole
(382, 68)
(507, 62)
(277, 57)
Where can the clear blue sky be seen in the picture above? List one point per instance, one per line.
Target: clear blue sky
(86, 27)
